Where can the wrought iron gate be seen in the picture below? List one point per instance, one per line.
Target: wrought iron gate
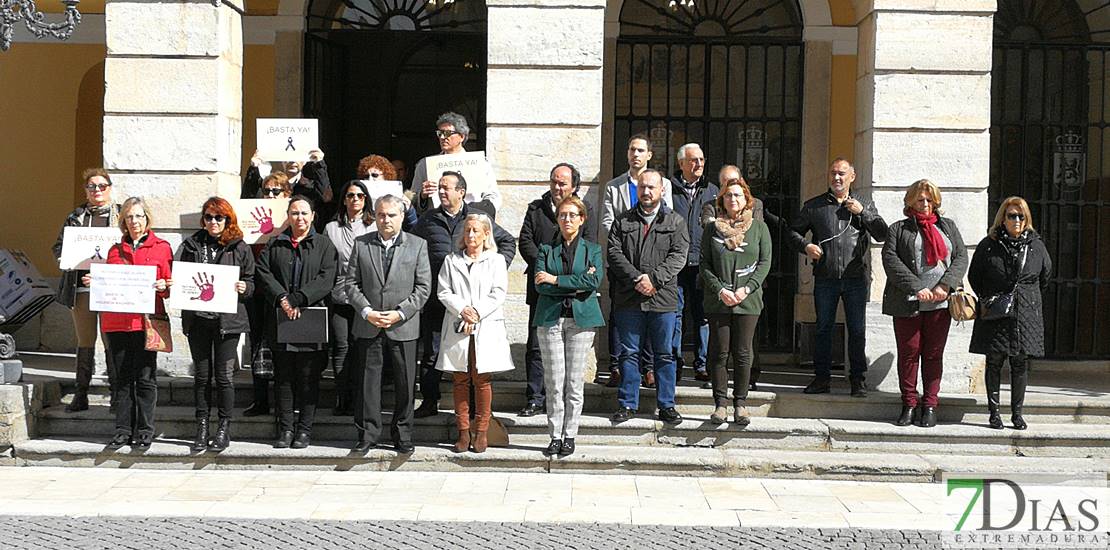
(726, 75)
(1050, 143)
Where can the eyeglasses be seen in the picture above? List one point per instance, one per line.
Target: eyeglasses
(1015, 217)
(218, 218)
(568, 215)
(272, 191)
(359, 196)
(94, 186)
(733, 195)
(374, 175)
(135, 217)
(444, 134)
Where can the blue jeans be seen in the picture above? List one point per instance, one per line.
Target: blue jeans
(691, 309)
(826, 294)
(633, 327)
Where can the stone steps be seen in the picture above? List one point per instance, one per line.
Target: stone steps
(602, 459)
(791, 434)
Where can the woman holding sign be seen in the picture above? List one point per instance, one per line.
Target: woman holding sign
(98, 211)
(452, 132)
(296, 273)
(214, 337)
(136, 390)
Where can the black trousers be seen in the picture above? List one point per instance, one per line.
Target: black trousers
(431, 322)
(342, 316)
(215, 356)
(731, 335)
(533, 362)
(257, 316)
(297, 376)
(136, 390)
(372, 355)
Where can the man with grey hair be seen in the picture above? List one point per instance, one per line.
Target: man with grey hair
(452, 131)
(387, 280)
(691, 190)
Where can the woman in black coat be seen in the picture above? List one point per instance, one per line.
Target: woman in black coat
(1011, 258)
(214, 337)
(297, 270)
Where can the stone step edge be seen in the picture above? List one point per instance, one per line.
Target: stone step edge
(251, 455)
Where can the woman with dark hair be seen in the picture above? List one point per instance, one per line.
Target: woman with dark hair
(97, 211)
(1009, 271)
(353, 220)
(136, 389)
(735, 261)
(296, 270)
(924, 258)
(214, 337)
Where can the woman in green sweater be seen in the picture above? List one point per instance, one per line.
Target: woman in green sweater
(735, 260)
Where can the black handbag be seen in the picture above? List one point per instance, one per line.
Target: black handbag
(1001, 306)
(262, 364)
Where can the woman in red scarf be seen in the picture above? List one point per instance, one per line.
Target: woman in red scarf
(924, 258)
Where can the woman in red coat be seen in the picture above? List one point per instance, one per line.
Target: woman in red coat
(136, 389)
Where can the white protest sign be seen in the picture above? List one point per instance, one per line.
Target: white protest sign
(381, 188)
(287, 138)
(204, 287)
(472, 165)
(122, 288)
(82, 246)
(260, 219)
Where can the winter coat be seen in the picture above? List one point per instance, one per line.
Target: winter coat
(748, 266)
(661, 254)
(237, 253)
(573, 283)
(539, 228)
(482, 286)
(846, 252)
(152, 251)
(274, 276)
(442, 234)
(900, 258)
(993, 271)
(71, 279)
(690, 207)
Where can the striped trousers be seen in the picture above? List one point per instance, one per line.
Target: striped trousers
(564, 348)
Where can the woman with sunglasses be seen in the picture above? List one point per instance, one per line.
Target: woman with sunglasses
(1009, 271)
(214, 337)
(452, 131)
(353, 220)
(376, 168)
(97, 211)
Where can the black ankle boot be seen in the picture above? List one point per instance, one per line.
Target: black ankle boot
(200, 443)
(906, 417)
(928, 417)
(223, 435)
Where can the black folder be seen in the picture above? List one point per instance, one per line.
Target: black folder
(310, 328)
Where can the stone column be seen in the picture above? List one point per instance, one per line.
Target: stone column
(543, 106)
(924, 112)
(173, 108)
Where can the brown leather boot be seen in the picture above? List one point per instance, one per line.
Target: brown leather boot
(483, 405)
(461, 395)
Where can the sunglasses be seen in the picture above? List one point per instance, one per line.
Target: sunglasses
(272, 191)
(94, 186)
(215, 218)
(374, 175)
(359, 196)
(444, 134)
(1015, 217)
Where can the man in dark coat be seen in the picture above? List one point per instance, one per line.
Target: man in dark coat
(539, 228)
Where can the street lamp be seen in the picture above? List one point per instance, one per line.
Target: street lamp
(12, 11)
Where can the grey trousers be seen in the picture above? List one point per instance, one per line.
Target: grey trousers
(564, 348)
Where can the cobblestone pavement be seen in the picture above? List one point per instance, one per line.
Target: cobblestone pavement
(48, 533)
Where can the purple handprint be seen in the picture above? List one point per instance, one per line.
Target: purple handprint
(204, 283)
(264, 217)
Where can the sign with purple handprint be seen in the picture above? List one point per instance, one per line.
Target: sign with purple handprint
(260, 219)
(204, 287)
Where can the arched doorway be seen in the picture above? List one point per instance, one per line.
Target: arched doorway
(378, 72)
(726, 74)
(1050, 143)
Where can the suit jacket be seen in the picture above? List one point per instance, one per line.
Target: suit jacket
(404, 289)
(575, 283)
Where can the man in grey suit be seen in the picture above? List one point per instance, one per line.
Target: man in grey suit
(387, 281)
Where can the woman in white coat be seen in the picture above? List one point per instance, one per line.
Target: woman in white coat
(472, 286)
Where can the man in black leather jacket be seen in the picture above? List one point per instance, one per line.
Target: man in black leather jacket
(842, 224)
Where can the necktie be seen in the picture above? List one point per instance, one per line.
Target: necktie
(387, 260)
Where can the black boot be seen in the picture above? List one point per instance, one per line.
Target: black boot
(1019, 378)
(261, 404)
(906, 417)
(928, 417)
(200, 443)
(993, 377)
(223, 435)
(84, 379)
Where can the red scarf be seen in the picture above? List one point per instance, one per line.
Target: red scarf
(932, 240)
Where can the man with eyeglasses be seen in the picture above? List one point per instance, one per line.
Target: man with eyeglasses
(541, 227)
(691, 191)
(305, 178)
(442, 228)
(452, 131)
(842, 224)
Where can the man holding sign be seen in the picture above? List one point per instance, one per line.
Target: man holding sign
(97, 212)
(452, 131)
(215, 278)
(292, 146)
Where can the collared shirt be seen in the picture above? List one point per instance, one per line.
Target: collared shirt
(387, 244)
